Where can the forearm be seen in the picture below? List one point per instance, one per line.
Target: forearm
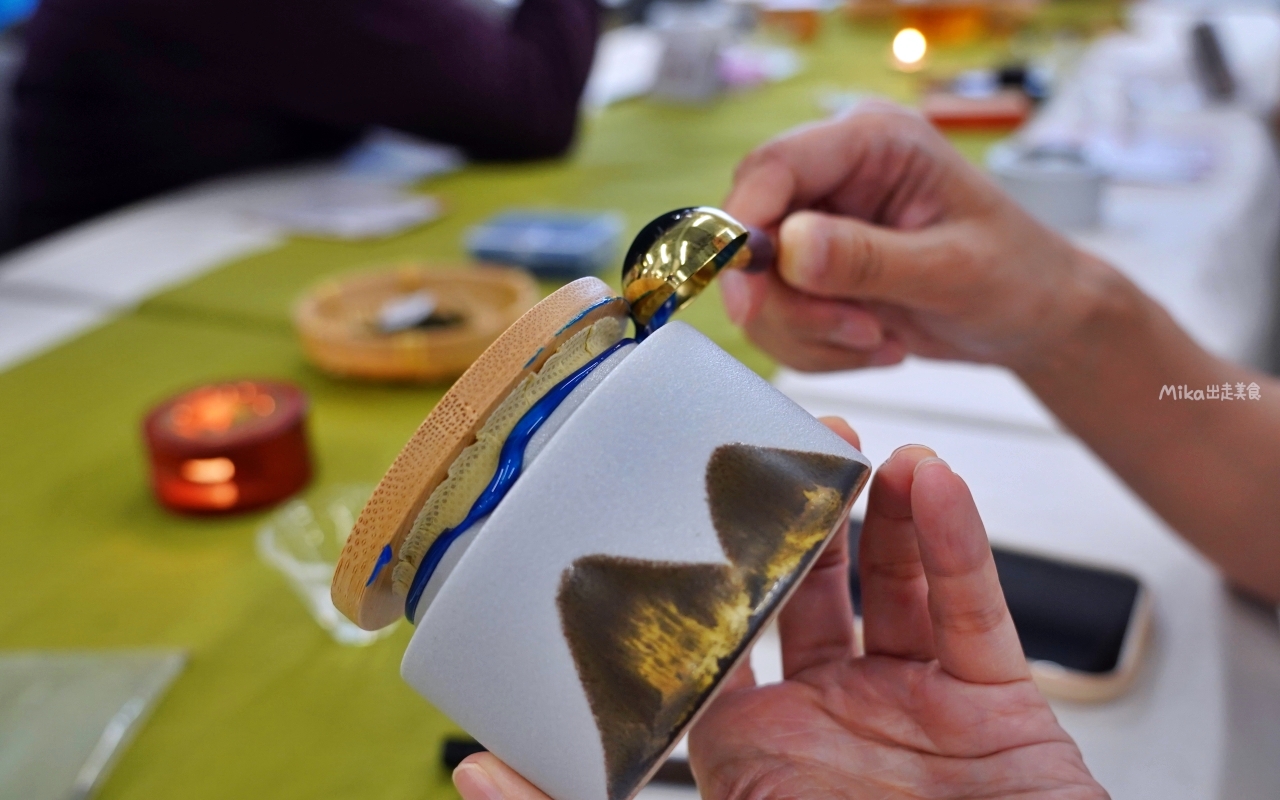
(1209, 467)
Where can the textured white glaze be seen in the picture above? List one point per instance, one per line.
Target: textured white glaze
(624, 475)
(536, 443)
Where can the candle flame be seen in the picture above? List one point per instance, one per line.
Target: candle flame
(217, 409)
(909, 46)
(208, 470)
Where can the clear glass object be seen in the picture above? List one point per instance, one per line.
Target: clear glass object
(66, 717)
(303, 539)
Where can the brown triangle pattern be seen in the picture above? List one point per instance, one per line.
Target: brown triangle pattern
(651, 639)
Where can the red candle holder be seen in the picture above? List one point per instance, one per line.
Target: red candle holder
(228, 446)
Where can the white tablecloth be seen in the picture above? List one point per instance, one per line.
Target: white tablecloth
(59, 287)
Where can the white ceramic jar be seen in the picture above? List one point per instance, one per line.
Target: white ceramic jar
(666, 510)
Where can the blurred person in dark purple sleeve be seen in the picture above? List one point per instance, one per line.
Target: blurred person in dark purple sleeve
(122, 99)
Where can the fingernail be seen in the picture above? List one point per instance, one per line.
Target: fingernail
(473, 783)
(928, 451)
(803, 249)
(736, 295)
(930, 460)
(886, 357)
(858, 331)
(913, 446)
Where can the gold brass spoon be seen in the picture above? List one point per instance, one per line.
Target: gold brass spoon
(675, 257)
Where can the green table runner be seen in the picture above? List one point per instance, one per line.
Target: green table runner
(270, 706)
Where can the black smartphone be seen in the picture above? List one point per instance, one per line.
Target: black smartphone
(1083, 628)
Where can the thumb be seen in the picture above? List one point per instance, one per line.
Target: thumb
(483, 777)
(845, 258)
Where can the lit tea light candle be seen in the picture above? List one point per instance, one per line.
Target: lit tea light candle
(228, 446)
(909, 48)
